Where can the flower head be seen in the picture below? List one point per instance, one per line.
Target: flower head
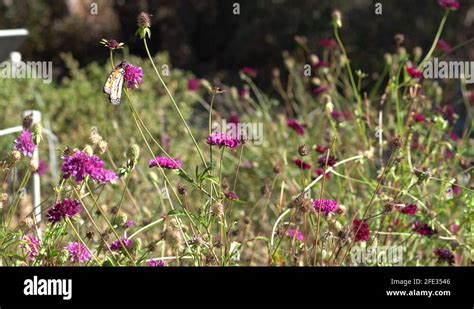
(222, 140)
(80, 164)
(419, 118)
(295, 234)
(328, 43)
(409, 210)
(444, 46)
(78, 252)
(331, 161)
(133, 75)
(165, 162)
(233, 118)
(65, 208)
(321, 149)
(231, 195)
(325, 206)
(444, 255)
(449, 4)
(194, 84)
(116, 246)
(414, 73)
(295, 125)
(301, 164)
(250, 72)
(156, 263)
(42, 168)
(361, 230)
(112, 44)
(423, 229)
(31, 246)
(24, 143)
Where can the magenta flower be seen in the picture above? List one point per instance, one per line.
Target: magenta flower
(321, 149)
(231, 195)
(250, 72)
(78, 252)
(414, 73)
(166, 162)
(444, 46)
(361, 230)
(42, 168)
(112, 44)
(331, 161)
(423, 229)
(133, 75)
(31, 246)
(320, 171)
(194, 84)
(24, 144)
(301, 164)
(449, 4)
(116, 246)
(233, 118)
(130, 223)
(66, 208)
(328, 43)
(325, 206)
(156, 263)
(419, 118)
(222, 140)
(295, 125)
(244, 94)
(444, 255)
(409, 210)
(295, 234)
(319, 90)
(80, 164)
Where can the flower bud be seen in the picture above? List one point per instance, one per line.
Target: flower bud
(88, 149)
(144, 24)
(37, 133)
(34, 165)
(303, 150)
(337, 19)
(217, 209)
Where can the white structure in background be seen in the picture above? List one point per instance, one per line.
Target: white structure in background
(36, 182)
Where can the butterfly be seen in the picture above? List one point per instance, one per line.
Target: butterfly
(114, 83)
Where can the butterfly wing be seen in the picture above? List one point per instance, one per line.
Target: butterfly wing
(113, 85)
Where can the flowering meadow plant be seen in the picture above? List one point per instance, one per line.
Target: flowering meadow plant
(347, 159)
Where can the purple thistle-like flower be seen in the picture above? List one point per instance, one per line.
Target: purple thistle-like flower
(133, 75)
(444, 46)
(194, 84)
(301, 164)
(444, 255)
(423, 229)
(361, 230)
(80, 164)
(414, 73)
(130, 223)
(65, 208)
(165, 162)
(250, 72)
(298, 235)
(24, 143)
(222, 140)
(231, 195)
(449, 4)
(156, 263)
(31, 246)
(331, 161)
(78, 252)
(409, 210)
(42, 168)
(295, 125)
(325, 206)
(116, 246)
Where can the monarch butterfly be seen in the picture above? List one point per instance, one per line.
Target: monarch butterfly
(114, 83)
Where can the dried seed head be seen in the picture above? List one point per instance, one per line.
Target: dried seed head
(29, 222)
(34, 165)
(396, 142)
(4, 197)
(102, 147)
(27, 122)
(151, 247)
(265, 189)
(16, 155)
(121, 219)
(89, 234)
(143, 20)
(182, 189)
(95, 138)
(88, 149)
(276, 169)
(303, 150)
(133, 152)
(341, 210)
(217, 209)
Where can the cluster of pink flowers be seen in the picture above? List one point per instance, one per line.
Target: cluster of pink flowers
(133, 75)
(449, 4)
(80, 164)
(194, 84)
(156, 263)
(24, 143)
(423, 229)
(361, 230)
(78, 253)
(295, 125)
(409, 210)
(166, 162)
(66, 208)
(444, 255)
(116, 246)
(332, 160)
(325, 206)
(250, 72)
(295, 234)
(222, 140)
(31, 246)
(414, 72)
(231, 195)
(301, 164)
